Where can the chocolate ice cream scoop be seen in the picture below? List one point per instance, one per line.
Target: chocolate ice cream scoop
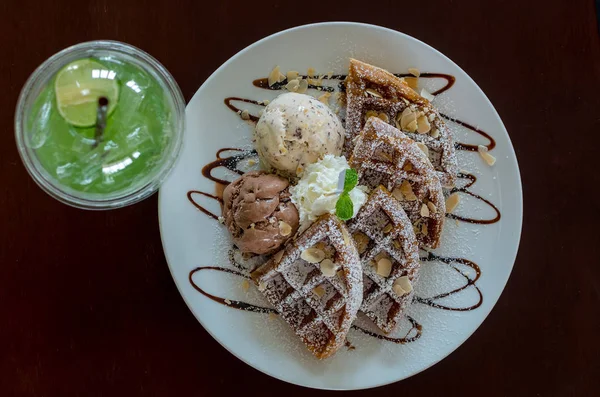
(259, 213)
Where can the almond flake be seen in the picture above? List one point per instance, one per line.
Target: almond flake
(292, 75)
(397, 193)
(423, 125)
(384, 117)
(397, 244)
(427, 95)
(414, 71)
(227, 301)
(384, 267)
(312, 255)
(319, 290)
(488, 158)
(407, 117)
(293, 85)
(424, 210)
(362, 242)
(432, 207)
(325, 98)
(412, 126)
(388, 228)
(432, 117)
(452, 202)
(245, 115)
(302, 87)
(407, 167)
(275, 76)
(371, 113)
(407, 191)
(402, 283)
(373, 93)
(277, 257)
(435, 133)
(328, 268)
(245, 285)
(423, 148)
(284, 228)
(424, 229)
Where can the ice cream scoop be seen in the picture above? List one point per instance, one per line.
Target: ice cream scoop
(296, 130)
(259, 213)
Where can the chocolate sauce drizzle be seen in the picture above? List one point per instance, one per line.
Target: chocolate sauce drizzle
(231, 163)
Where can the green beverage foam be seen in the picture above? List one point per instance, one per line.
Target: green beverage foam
(136, 135)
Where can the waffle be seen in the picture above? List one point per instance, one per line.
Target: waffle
(374, 91)
(317, 300)
(383, 232)
(383, 155)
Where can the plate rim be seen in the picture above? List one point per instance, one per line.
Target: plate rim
(519, 203)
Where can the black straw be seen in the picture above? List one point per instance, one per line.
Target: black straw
(101, 119)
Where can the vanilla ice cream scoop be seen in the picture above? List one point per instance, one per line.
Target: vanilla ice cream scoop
(296, 130)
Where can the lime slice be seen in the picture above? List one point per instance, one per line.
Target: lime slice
(78, 87)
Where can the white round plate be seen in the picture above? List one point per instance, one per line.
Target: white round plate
(192, 240)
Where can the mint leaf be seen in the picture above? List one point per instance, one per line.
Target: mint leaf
(344, 208)
(350, 180)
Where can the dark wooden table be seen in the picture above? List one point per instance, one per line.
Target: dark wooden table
(87, 304)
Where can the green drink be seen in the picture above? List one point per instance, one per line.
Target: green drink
(105, 164)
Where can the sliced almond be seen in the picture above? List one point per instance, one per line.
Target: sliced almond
(384, 117)
(227, 301)
(245, 285)
(293, 85)
(432, 207)
(328, 268)
(407, 167)
(370, 113)
(384, 267)
(397, 244)
(414, 71)
(275, 76)
(292, 75)
(302, 87)
(245, 115)
(412, 126)
(423, 126)
(424, 210)
(435, 133)
(362, 242)
(404, 284)
(488, 158)
(312, 255)
(407, 191)
(373, 93)
(412, 82)
(380, 256)
(388, 228)
(277, 257)
(397, 193)
(325, 98)
(432, 117)
(319, 290)
(407, 117)
(423, 148)
(424, 229)
(284, 228)
(452, 202)
(427, 95)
